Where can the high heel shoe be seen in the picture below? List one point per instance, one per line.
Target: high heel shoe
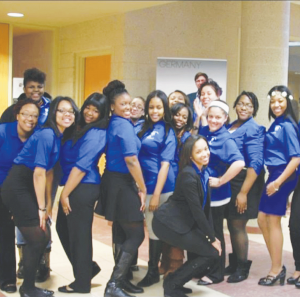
(291, 280)
(270, 280)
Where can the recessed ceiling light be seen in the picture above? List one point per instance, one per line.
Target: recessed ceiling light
(294, 43)
(15, 14)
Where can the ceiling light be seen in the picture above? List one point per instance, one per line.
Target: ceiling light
(15, 14)
(294, 43)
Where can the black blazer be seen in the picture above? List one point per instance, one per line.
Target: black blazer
(183, 210)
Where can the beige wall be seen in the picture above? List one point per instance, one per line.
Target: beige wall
(182, 29)
(105, 34)
(295, 22)
(34, 50)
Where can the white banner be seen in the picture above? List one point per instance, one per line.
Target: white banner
(179, 73)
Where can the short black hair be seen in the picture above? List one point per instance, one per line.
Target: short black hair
(252, 98)
(34, 74)
(51, 120)
(18, 106)
(176, 108)
(289, 108)
(98, 100)
(187, 149)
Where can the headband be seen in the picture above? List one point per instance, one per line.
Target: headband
(220, 104)
(283, 94)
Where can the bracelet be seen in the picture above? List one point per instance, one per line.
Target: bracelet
(195, 128)
(276, 189)
(42, 209)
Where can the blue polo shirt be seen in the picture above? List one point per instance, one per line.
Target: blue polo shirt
(10, 146)
(121, 142)
(157, 148)
(41, 150)
(175, 163)
(223, 152)
(44, 111)
(281, 142)
(204, 177)
(84, 155)
(249, 138)
(138, 126)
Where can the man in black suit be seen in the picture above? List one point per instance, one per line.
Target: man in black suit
(200, 79)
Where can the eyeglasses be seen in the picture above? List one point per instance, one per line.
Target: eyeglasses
(138, 107)
(28, 116)
(64, 112)
(248, 106)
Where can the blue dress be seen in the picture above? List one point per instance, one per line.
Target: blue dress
(281, 144)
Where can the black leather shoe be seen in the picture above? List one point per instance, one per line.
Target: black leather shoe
(270, 280)
(292, 281)
(185, 290)
(9, 288)
(297, 283)
(96, 269)
(130, 288)
(35, 292)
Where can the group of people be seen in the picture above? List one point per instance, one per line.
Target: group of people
(174, 161)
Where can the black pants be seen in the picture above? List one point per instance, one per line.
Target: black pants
(194, 241)
(7, 247)
(294, 225)
(75, 234)
(217, 271)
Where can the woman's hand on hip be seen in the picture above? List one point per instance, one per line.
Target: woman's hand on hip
(42, 216)
(217, 245)
(241, 202)
(142, 196)
(154, 202)
(65, 203)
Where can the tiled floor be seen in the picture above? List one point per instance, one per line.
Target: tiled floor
(62, 274)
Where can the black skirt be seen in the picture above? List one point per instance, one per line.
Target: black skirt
(253, 197)
(19, 196)
(119, 199)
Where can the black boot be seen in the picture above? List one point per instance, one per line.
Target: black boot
(152, 276)
(20, 271)
(125, 283)
(231, 268)
(174, 282)
(43, 271)
(114, 286)
(241, 272)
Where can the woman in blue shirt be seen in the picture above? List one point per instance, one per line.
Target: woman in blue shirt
(282, 157)
(81, 179)
(120, 200)
(225, 163)
(247, 186)
(27, 189)
(13, 136)
(156, 154)
(182, 118)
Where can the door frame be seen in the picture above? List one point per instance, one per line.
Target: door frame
(80, 69)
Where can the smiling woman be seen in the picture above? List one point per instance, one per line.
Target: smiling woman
(26, 190)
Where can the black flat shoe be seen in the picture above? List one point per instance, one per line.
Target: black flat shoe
(292, 281)
(270, 280)
(65, 289)
(96, 269)
(9, 288)
(39, 292)
(185, 290)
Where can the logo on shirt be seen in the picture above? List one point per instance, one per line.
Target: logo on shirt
(277, 128)
(213, 139)
(151, 136)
